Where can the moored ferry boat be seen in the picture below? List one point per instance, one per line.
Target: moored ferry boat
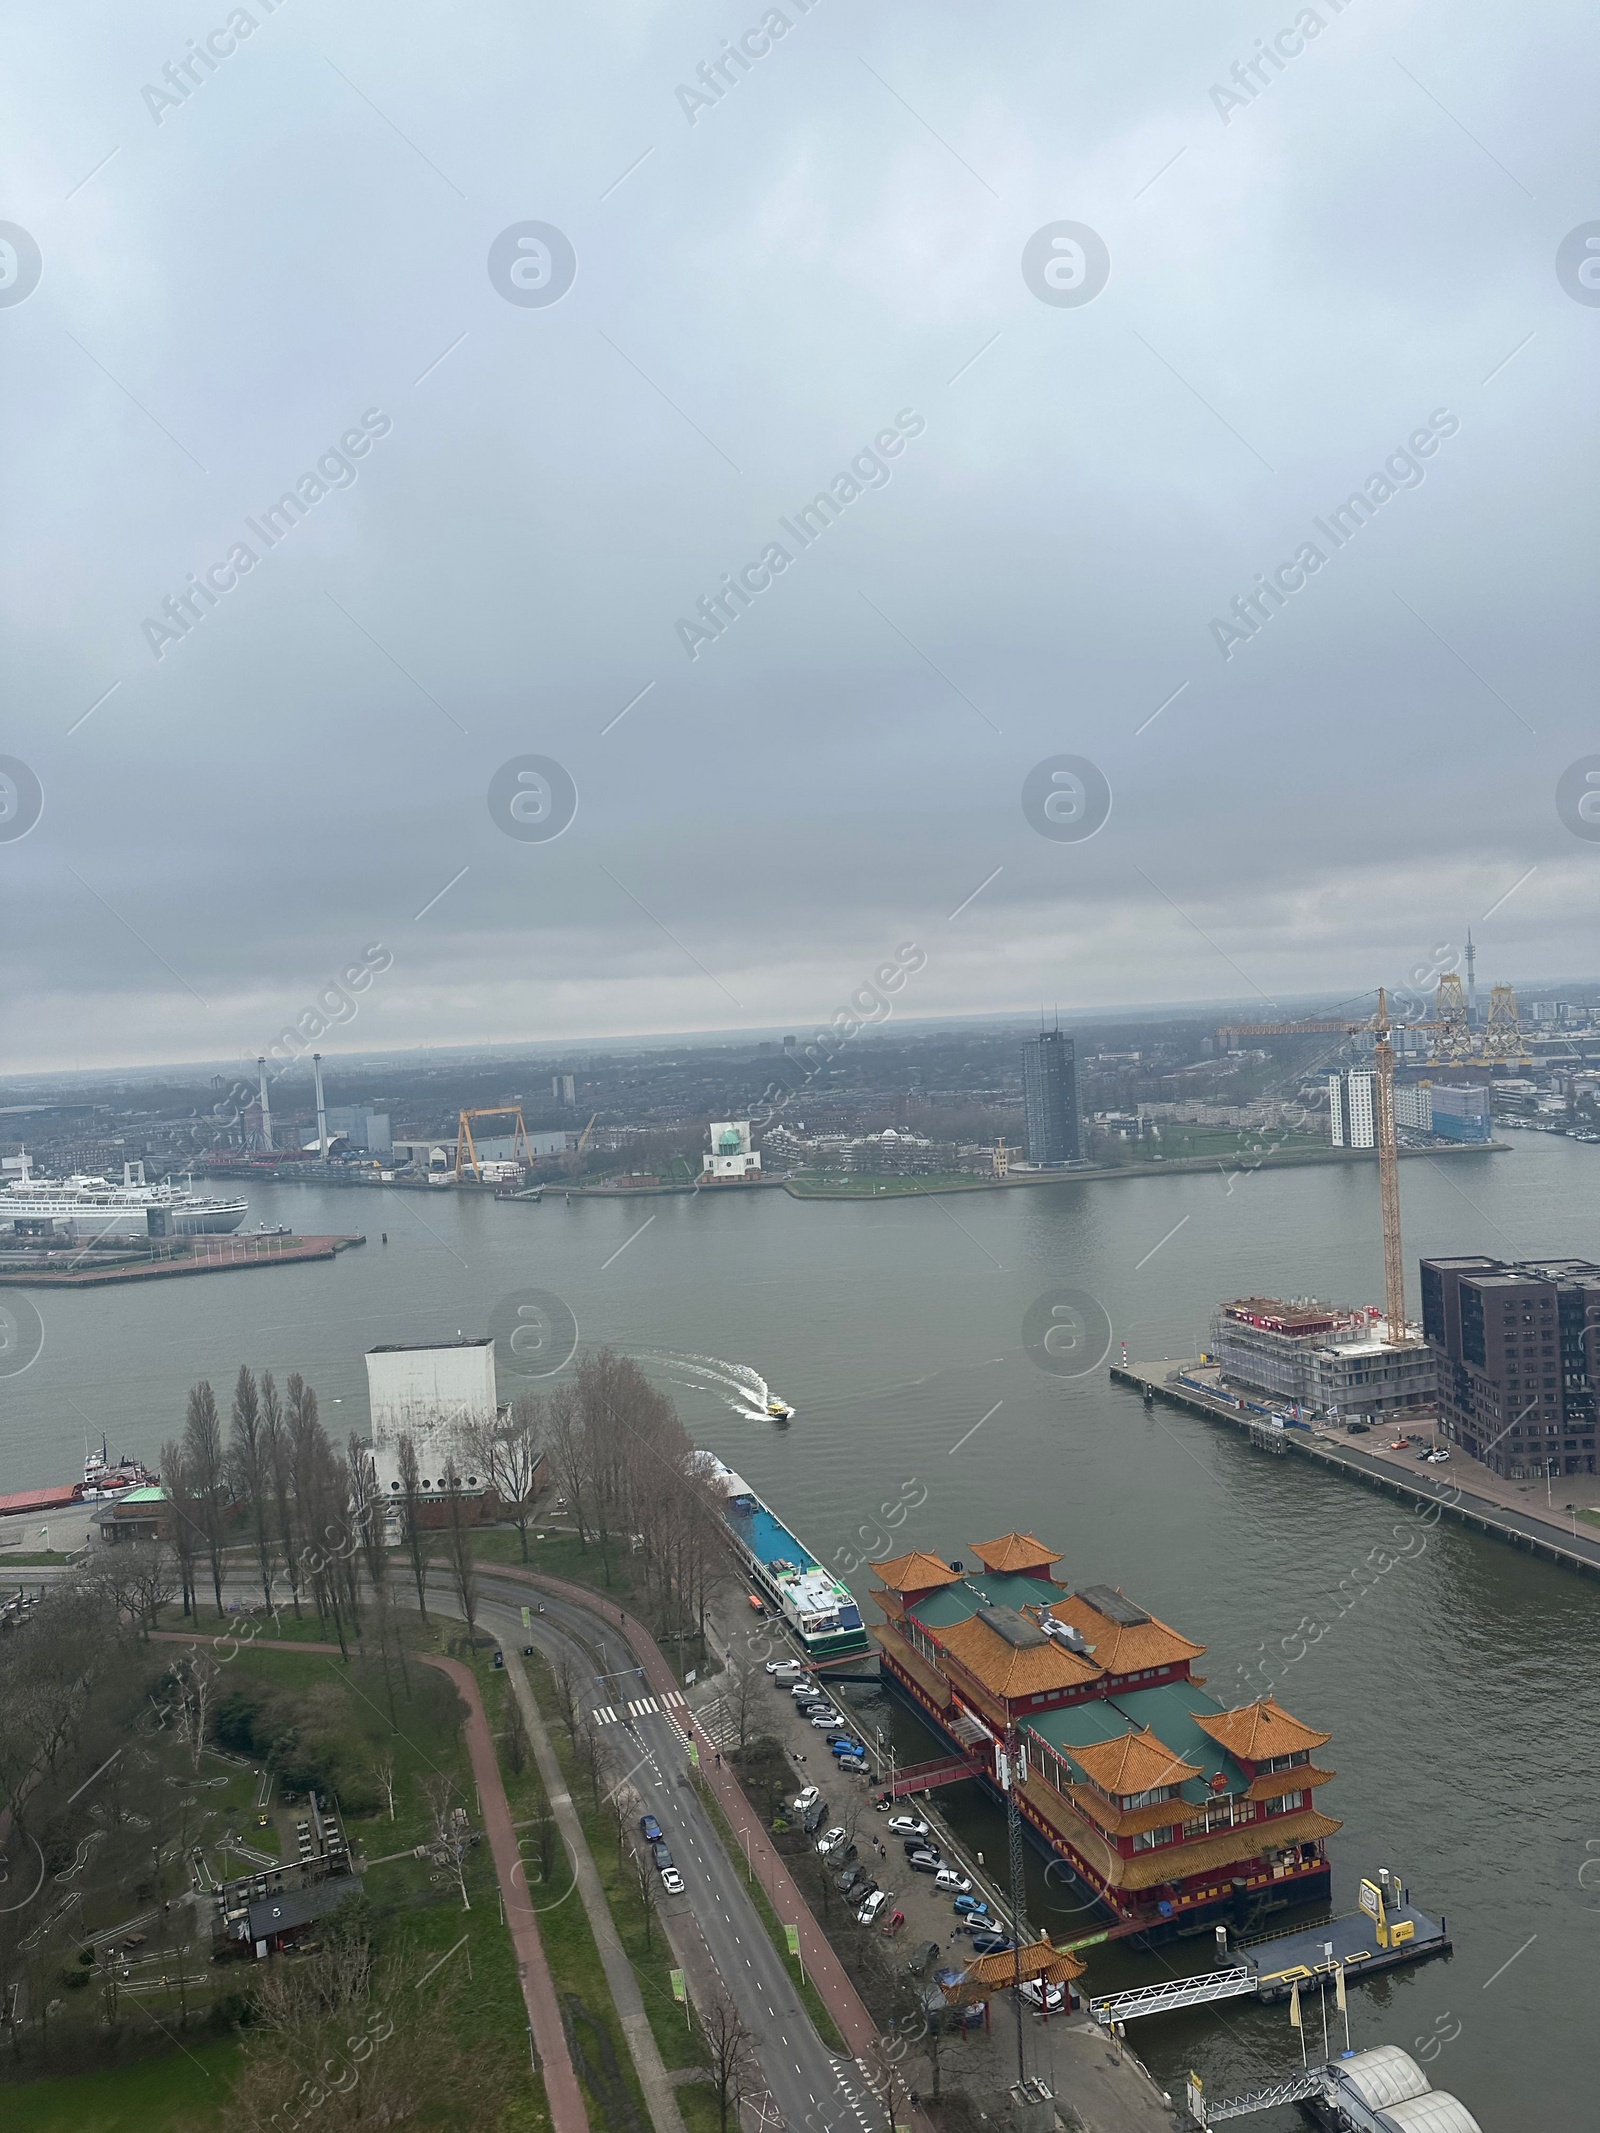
(823, 1613)
(1168, 1809)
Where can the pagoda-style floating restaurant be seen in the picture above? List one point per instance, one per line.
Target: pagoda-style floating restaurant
(1172, 1811)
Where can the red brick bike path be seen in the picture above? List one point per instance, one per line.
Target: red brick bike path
(561, 2087)
(822, 1966)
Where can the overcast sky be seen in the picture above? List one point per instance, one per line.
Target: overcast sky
(1308, 268)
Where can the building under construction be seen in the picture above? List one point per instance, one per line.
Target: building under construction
(1322, 1359)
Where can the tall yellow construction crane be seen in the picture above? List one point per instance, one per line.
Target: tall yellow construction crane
(1378, 1027)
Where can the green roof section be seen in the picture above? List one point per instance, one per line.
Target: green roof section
(148, 1494)
(1169, 1713)
(983, 1588)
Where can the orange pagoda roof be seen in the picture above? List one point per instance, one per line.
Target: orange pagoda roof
(1015, 1551)
(1257, 1731)
(1133, 1762)
(1125, 1647)
(916, 1572)
(1010, 1670)
(988, 1973)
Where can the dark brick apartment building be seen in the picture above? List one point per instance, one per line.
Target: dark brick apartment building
(1519, 1360)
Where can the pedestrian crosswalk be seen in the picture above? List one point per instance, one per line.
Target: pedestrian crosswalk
(641, 1707)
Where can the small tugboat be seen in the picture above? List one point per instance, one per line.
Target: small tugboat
(102, 1479)
(779, 1410)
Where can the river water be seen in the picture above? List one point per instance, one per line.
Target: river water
(1460, 1690)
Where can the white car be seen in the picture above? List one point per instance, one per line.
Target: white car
(830, 1840)
(909, 1826)
(1050, 1998)
(808, 1798)
(953, 1883)
(783, 1666)
(672, 1881)
(828, 1721)
(873, 1905)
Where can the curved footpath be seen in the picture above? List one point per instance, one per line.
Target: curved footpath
(561, 2087)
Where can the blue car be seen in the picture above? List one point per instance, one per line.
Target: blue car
(650, 1829)
(846, 1747)
(970, 1907)
(992, 1943)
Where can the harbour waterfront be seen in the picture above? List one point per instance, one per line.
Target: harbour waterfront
(1457, 1677)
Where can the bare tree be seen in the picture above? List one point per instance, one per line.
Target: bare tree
(740, 1695)
(208, 1476)
(732, 2050)
(452, 1834)
(195, 1677)
(516, 1738)
(411, 1496)
(182, 1517)
(383, 1771)
(569, 1452)
(277, 1459)
(590, 1751)
(644, 1874)
(509, 1453)
(246, 1454)
(564, 1679)
(150, 1581)
(458, 1547)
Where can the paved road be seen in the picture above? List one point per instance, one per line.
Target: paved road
(810, 2086)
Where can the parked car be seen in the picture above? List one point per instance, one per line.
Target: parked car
(827, 1720)
(909, 1826)
(814, 1817)
(783, 1666)
(844, 1746)
(853, 1877)
(991, 1943)
(1439, 1457)
(971, 1907)
(918, 1844)
(830, 1840)
(921, 1956)
(650, 1829)
(923, 1862)
(851, 1762)
(660, 1854)
(1357, 1429)
(806, 1797)
(871, 1908)
(672, 1881)
(892, 1924)
(1049, 1999)
(953, 1882)
(803, 1691)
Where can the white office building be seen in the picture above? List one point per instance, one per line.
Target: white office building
(1350, 1114)
(437, 1394)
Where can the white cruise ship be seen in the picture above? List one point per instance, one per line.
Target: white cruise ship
(83, 1209)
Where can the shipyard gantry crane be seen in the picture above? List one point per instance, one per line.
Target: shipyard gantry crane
(466, 1148)
(1378, 1027)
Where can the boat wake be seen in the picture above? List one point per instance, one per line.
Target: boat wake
(738, 1386)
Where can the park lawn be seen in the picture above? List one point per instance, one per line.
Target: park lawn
(174, 2094)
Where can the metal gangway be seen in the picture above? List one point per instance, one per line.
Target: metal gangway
(1296, 2088)
(1236, 1983)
